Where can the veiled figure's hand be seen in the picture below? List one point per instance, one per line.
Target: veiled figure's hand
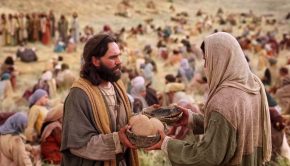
(180, 128)
(157, 146)
(184, 119)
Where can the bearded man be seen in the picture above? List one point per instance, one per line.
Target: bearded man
(97, 110)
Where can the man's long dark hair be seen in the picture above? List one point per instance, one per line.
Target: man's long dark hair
(96, 46)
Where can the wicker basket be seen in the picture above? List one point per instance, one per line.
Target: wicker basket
(168, 115)
(142, 141)
(171, 120)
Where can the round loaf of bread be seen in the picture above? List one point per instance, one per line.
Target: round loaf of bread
(136, 118)
(157, 125)
(141, 125)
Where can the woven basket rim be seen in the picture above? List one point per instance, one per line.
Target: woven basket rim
(142, 141)
(149, 136)
(148, 110)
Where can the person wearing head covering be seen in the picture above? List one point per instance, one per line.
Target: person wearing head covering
(15, 124)
(138, 91)
(185, 71)
(181, 95)
(236, 114)
(12, 147)
(148, 71)
(38, 114)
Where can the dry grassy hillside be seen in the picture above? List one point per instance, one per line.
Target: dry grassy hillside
(100, 12)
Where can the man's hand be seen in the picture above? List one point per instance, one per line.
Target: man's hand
(123, 138)
(157, 146)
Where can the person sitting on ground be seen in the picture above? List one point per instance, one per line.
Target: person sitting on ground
(59, 46)
(147, 71)
(26, 54)
(9, 67)
(51, 137)
(138, 92)
(6, 90)
(65, 77)
(12, 147)
(38, 114)
(280, 146)
(47, 78)
(174, 59)
(185, 71)
(170, 90)
(8, 63)
(283, 91)
(162, 97)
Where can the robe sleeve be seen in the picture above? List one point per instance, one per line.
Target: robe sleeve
(80, 134)
(196, 123)
(30, 131)
(217, 146)
(100, 147)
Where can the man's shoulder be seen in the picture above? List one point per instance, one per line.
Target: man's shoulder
(76, 90)
(76, 99)
(76, 93)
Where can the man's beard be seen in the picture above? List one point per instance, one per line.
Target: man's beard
(108, 74)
